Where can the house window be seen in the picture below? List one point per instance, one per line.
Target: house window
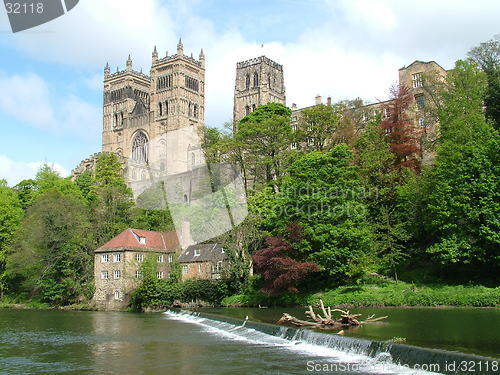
(364, 118)
(293, 146)
(138, 274)
(159, 275)
(420, 99)
(117, 274)
(170, 258)
(185, 269)
(160, 259)
(118, 295)
(386, 112)
(416, 80)
(104, 258)
(217, 268)
(104, 275)
(139, 257)
(310, 141)
(199, 268)
(421, 122)
(196, 252)
(117, 258)
(294, 127)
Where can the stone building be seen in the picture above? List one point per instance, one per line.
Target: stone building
(117, 264)
(203, 261)
(154, 121)
(419, 77)
(258, 81)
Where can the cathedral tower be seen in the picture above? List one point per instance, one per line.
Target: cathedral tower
(152, 120)
(258, 81)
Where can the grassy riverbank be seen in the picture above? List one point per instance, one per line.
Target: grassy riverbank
(387, 294)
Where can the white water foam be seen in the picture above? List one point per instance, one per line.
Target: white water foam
(381, 364)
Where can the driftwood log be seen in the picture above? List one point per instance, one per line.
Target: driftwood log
(326, 321)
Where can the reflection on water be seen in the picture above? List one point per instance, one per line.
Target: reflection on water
(70, 342)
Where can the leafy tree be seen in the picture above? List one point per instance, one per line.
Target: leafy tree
(278, 265)
(487, 57)
(51, 255)
(85, 183)
(322, 195)
(463, 202)
(318, 125)
(26, 192)
(262, 137)
(47, 179)
(112, 199)
(11, 214)
(403, 134)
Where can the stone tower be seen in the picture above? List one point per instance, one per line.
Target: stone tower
(258, 81)
(153, 121)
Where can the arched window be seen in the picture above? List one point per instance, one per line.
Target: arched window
(140, 147)
(247, 110)
(190, 107)
(160, 106)
(253, 107)
(247, 81)
(255, 79)
(195, 111)
(121, 118)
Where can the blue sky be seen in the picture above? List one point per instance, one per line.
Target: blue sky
(51, 76)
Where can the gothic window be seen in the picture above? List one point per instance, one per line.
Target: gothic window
(160, 106)
(140, 147)
(192, 83)
(255, 79)
(253, 107)
(115, 120)
(190, 110)
(164, 82)
(195, 111)
(247, 110)
(121, 118)
(247, 81)
(166, 108)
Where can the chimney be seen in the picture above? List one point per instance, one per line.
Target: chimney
(329, 101)
(186, 239)
(318, 99)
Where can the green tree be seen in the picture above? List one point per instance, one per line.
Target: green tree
(322, 195)
(487, 57)
(318, 124)
(112, 199)
(463, 202)
(47, 178)
(263, 137)
(51, 255)
(26, 191)
(11, 214)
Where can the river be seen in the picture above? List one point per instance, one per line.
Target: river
(89, 342)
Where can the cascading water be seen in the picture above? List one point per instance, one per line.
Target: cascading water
(353, 355)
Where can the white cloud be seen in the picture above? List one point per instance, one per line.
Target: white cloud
(15, 171)
(28, 98)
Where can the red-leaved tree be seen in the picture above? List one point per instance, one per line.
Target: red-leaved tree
(404, 135)
(276, 264)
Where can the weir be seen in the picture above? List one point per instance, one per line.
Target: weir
(399, 358)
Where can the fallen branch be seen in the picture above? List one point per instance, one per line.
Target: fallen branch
(326, 321)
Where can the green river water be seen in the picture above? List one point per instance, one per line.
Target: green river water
(81, 342)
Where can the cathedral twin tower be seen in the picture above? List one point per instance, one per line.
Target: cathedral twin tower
(158, 119)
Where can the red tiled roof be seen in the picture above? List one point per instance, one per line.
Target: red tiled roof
(130, 238)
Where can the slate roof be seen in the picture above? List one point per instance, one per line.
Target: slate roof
(143, 239)
(211, 252)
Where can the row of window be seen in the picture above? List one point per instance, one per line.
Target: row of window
(192, 84)
(117, 274)
(164, 82)
(105, 258)
(249, 109)
(118, 119)
(255, 80)
(416, 80)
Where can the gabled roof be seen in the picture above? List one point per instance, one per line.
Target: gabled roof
(421, 62)
(143, 239)
(211, 252)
